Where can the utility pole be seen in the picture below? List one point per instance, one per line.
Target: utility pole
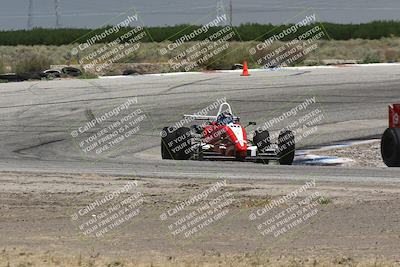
(30, 10)
(221, 11)
(57, 10)
(230, 13)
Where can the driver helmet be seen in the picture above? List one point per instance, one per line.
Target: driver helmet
(225, 118)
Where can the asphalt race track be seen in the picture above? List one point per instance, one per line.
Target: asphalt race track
(37, 119)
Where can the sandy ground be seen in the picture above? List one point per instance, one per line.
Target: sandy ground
(174, 213)
(44, 221)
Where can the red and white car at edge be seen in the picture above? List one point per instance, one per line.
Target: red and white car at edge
(390, 141)
(222, 137)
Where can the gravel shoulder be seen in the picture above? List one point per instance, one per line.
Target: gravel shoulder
(361, 155)
(355, 222)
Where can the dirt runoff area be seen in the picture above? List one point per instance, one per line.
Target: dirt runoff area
(361, 154)
(92, 220)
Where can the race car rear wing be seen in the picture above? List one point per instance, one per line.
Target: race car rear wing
(201, 117)
(224, 107)
(207, 118)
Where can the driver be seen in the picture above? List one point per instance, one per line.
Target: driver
(225, 118)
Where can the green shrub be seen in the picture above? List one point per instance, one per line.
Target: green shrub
(2, 67)
(32, 62)
(371, 58)
(324, 200)
(87, 75)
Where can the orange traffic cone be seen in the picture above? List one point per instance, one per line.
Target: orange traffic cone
(245, 69)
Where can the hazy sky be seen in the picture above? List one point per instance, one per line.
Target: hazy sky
(93, 13)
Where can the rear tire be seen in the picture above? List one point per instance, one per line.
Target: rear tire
(262, 141)
(166, 138)
(183, 146)
(287, 147)
(390, 147)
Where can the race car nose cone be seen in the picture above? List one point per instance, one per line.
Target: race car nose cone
(241, 145)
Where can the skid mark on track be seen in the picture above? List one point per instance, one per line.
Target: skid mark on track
(38, 145)
(300, 73)
(186, 84)
(98, 86)
(29, 107)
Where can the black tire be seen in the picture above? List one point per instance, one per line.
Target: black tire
(240, 158)
(390, 147)
(130, 72)
(262, 140)
(197, 129)
(200, 153)
(14, 77)
(166, 138)
(183, 145)
(71, 71)
(287, 147)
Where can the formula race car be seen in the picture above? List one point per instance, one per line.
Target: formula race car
(221, 137)
(390, 142)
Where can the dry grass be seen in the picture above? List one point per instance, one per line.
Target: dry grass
(361, 51)
(21, 258)
(32, 63)
(2, 67)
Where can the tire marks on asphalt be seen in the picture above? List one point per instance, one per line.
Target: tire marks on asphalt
(19, 151)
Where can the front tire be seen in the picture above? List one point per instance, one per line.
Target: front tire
(390, 147)
(176, 145)
(262, 140)
(287, 147)
(166, 138)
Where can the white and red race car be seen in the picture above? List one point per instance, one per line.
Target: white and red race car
(221, 137)
(390, 142)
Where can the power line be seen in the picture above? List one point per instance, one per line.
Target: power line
(57, 10)
(30, 9)
(221, 12)
(230, 13)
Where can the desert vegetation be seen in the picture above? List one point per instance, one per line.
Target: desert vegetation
(21, 59)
